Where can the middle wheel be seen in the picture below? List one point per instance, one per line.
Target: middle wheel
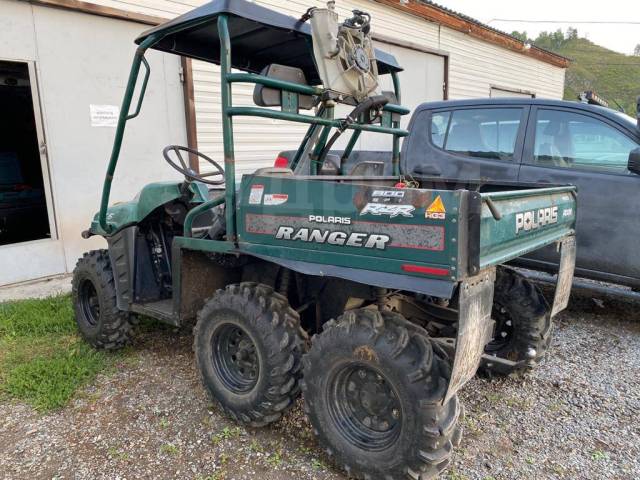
(248, 346)
(373, 389)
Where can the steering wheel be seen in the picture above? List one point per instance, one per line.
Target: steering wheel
(187, 171)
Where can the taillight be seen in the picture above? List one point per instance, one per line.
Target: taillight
(281, 162)
(425, 270)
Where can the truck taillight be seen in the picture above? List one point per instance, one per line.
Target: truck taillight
(281, 162)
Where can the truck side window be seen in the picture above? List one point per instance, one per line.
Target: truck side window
(439, 124)
(477, 132)
(571, 140)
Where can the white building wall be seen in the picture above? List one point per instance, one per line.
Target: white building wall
(474, 67)
(79, 60)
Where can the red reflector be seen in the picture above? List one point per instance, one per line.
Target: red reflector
(281, 162)
(425, 270)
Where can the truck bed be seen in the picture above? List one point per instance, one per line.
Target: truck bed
(445, 233)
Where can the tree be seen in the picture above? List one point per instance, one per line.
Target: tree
(572, 33)
(522, 36)
(636, 51)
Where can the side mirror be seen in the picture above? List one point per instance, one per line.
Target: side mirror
(634, 161)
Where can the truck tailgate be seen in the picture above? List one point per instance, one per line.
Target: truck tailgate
(513, 223)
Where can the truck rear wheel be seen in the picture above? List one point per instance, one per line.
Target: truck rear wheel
(523, 323)
(93, 292)
(248, 347)
(373, 390)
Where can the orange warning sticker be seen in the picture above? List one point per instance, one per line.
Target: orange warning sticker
(436, 210)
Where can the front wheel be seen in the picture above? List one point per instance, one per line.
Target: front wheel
(93, 292)
(373, 389)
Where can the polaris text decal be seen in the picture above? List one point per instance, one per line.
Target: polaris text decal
(534, 219)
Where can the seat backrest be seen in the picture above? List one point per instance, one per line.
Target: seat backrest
(368, 169)
(271, 97)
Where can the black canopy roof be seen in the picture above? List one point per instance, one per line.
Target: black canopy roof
(259, 37)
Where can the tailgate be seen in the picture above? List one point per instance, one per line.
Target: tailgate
(513, 223)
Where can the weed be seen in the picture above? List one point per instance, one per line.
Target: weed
(455, 475)
(169, 449)
(317, 464)
(164, 423)
(254, 446)
(599, 455)
(275, 459)
(226, 434)
(115, 452)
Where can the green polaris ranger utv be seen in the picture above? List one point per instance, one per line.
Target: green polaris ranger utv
(376, 294)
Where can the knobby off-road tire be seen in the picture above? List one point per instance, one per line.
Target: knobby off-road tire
(523, 323)
(373, 386)
(248, 347)
(93, 291)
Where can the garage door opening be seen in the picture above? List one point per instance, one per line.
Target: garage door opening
(23, 206)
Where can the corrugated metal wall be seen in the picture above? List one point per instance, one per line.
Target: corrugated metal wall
(474, 67)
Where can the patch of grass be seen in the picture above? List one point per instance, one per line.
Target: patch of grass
(225, 434)
(43, 361)
(48, 381)
(169, 449)
(275, 459)
(37, 317)
(599, 455)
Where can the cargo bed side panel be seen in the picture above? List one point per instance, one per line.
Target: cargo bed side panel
(528, 220)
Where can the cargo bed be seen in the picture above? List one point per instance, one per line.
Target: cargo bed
(342, 226)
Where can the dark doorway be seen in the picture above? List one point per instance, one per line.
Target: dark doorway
(23, 207)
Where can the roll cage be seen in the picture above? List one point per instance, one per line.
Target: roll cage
(208, 33)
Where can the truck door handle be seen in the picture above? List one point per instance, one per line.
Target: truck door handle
(427, 170)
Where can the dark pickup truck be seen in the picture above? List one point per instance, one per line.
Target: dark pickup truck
(544, 142)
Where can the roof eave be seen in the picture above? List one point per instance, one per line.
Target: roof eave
(441, 16)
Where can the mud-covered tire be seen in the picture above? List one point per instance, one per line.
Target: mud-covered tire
(409, 434)
(248, 347)
(93, 292)
(523, 314)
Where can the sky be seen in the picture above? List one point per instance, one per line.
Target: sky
(610, 34)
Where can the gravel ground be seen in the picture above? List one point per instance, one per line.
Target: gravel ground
(574, 417)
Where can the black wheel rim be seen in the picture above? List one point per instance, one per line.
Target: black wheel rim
(504, 329)
(364, 407)
(89, 302)
(235, 358)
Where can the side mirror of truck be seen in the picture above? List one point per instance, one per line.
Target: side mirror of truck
(634, 161)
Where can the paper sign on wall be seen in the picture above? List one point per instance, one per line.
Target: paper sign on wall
(104, 115)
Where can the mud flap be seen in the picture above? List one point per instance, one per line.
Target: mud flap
(475, 327)
(565, 275)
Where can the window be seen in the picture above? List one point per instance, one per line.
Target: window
(478, 132)
(572, 140)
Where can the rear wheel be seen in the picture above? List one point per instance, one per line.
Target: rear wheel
(523, 323)
(99, 320)
(373, 389)
(248, 346)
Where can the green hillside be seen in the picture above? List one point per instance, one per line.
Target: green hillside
(613, 76)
